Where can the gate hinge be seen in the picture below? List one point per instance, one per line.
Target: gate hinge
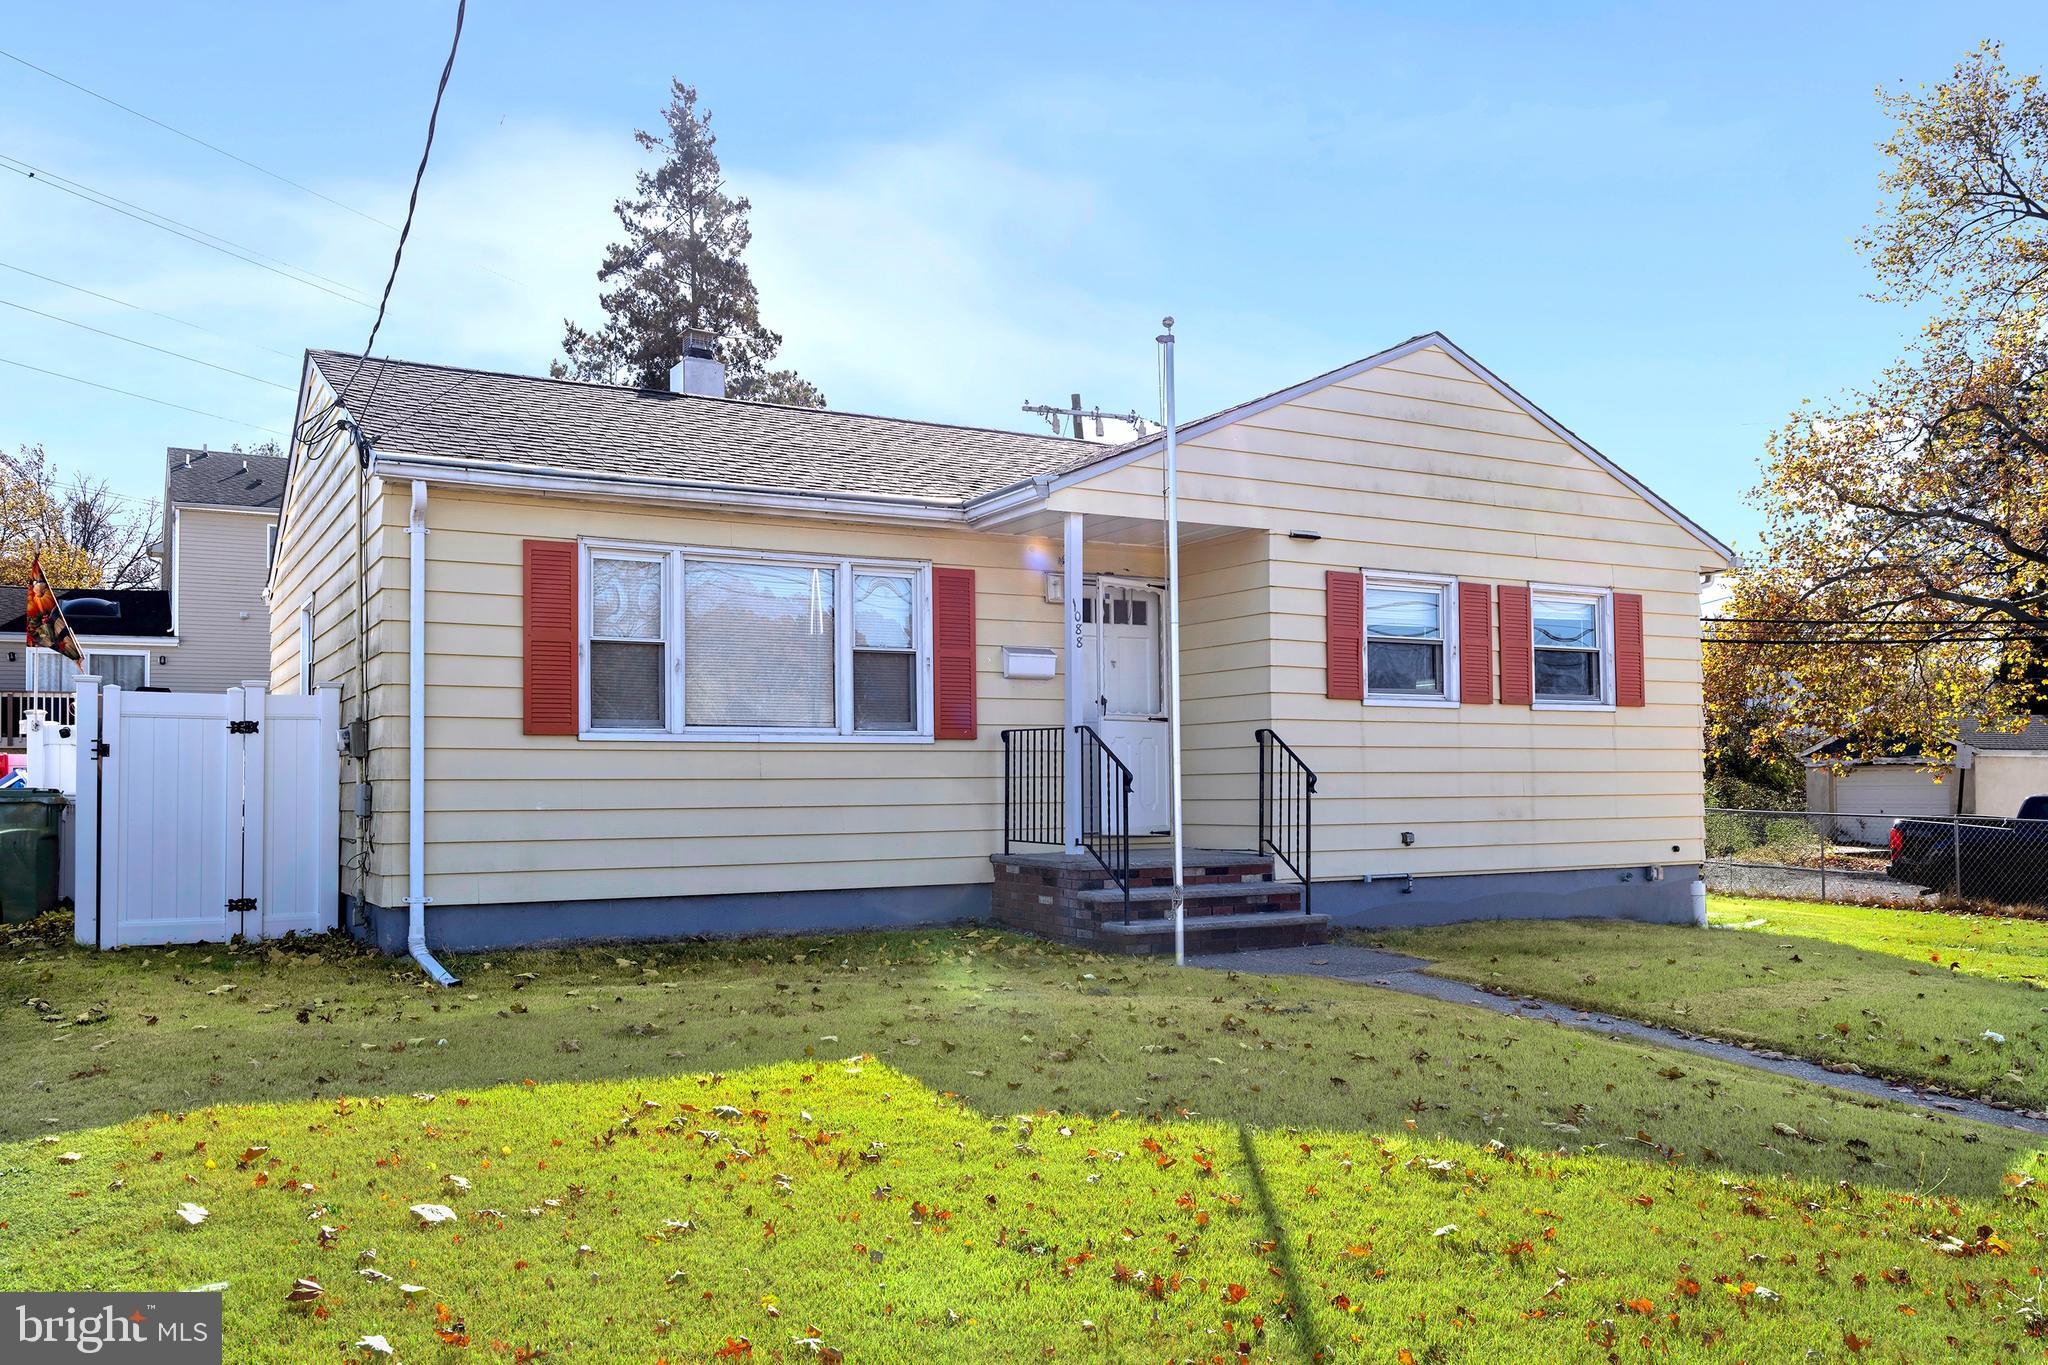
(242, 727)
(241, 905)
(102, 749)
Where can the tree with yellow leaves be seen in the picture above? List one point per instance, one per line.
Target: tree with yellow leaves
(1902, 591)
(88, 537)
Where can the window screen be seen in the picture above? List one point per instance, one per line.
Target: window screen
(758, 645)
(884, 652)
(1567, 644)
(626, 645)
(1404, 641)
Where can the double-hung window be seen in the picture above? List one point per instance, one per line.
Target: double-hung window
(1573, 646)
(1409, 639)
(719, 645)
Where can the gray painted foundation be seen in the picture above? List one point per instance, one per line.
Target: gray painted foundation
(1598, 893)
(1384, 902)
(476, 928)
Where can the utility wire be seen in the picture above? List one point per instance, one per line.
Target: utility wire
(65, 180)
(176, 228)
(189, 137)
(411, 206)
(129, 393)
(161, 350)
(167, 317)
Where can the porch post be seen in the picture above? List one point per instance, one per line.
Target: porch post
(1076, 683)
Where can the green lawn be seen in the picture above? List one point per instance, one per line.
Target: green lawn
(1823, 990)
(1009, 1023)
(748, 1215)
(1980, 945)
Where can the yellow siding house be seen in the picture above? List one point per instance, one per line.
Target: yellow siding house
(624, 663)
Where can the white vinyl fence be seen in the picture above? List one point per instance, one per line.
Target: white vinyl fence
(203, 815)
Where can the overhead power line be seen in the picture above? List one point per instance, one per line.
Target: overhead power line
(160, 350)
(130, 393)
(190, 137)
(166, 223)
(411, 206)
(167, 317)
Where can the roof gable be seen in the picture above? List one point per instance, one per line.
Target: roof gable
(1188, 431)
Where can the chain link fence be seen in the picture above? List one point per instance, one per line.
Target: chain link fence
(1869, 858)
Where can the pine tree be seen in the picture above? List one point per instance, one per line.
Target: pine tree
(682, 265)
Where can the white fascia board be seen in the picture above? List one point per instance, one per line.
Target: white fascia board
(675, 492)
(291, 469)
(86, 641)
(270, 512)
(1215, 421)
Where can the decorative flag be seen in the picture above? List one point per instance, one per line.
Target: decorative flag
(46, 624)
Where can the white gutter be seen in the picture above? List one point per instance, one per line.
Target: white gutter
(651, 488)
(416, 742)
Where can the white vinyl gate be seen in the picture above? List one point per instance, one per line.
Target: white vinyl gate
(203, 815)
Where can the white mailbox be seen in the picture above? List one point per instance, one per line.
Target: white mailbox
(1027, 663)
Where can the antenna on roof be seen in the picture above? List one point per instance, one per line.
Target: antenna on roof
(1075, 414)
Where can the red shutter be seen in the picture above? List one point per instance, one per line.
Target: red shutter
(550, 581)
(1517, 647)
(953, 652)
(1344, 635)
(1628, 649)
(1475, 645)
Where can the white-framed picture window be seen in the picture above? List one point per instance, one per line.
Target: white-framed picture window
(1410, 639)
(49, 671)
(717, 644)
(1572, 633)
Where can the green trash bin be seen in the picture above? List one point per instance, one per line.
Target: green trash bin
(28, 852)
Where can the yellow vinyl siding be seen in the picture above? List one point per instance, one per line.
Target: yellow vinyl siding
(518, 818)
(317, 561)
(1419, 466)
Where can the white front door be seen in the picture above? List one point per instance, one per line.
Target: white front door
(1130, 701)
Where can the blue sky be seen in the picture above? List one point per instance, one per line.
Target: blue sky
(1640, 216)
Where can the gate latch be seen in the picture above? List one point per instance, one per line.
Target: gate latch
(241, 905)
(243, 727)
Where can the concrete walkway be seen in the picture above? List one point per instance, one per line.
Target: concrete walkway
(1395, 972)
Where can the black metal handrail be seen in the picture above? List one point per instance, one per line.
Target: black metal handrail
(1034, 798)
(1287, 789)
(1106, 810)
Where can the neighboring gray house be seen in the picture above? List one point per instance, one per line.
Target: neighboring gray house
(220, 530)
(207, 628)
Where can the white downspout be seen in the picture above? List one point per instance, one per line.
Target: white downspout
(416, 742)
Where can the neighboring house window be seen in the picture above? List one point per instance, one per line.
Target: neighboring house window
(1573, 645)
(49, 671)
(714, 645)
(1408, 638)
(270, 545)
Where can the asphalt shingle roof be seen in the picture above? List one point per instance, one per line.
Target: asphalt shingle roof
(224, 478)
(409, 408)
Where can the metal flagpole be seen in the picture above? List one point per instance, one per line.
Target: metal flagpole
(1173, 641)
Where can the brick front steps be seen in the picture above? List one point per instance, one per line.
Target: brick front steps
(1231, 902)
